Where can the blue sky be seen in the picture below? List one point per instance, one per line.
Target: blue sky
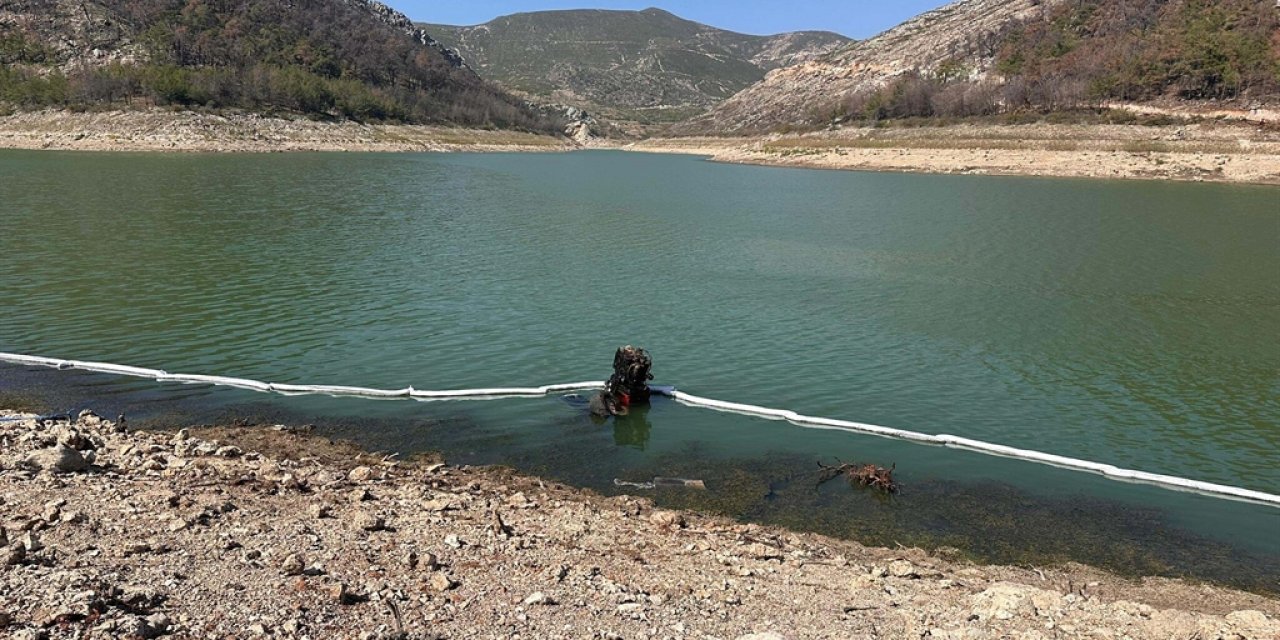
(854, 18)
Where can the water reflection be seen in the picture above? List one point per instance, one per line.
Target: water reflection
(633, 429)
(630, 430)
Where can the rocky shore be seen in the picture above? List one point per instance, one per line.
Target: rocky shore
(274, 532)
(1237, 152)
(162, 130)
(1233, 151)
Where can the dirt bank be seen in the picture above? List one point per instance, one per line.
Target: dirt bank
(234, 533)
(1210, 152)
(159, 130)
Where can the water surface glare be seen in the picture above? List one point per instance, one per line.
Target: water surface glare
(1131, 323)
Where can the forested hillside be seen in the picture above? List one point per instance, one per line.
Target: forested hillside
(1147, 49)
(984, 57)
(1087, 52)
(351, 59)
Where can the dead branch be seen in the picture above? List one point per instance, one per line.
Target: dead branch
(862, 475)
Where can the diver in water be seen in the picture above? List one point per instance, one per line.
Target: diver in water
(627, 386)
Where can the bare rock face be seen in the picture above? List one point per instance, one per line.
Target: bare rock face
(75, 32)
(962, 33)
(400, 21)
(58, 459)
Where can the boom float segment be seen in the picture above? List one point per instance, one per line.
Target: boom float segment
(811, 422)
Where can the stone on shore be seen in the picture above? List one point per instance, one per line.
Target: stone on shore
(58, 459)
(538, 598)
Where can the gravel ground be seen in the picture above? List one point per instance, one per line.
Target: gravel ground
(165, 130)
(273, 532)
(1210, 152)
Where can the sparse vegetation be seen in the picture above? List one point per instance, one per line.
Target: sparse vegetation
(640, 66)
(322, 58)
(1074, 57)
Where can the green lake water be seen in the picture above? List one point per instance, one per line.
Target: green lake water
(1131, 323)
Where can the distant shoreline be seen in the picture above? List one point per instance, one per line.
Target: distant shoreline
(188, 131)
(1225, 152)
(1215, 152)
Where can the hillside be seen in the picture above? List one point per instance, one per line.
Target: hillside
(648, 66)
(331, 59)
(981, 57)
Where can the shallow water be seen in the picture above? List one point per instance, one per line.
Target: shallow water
(1131, 323)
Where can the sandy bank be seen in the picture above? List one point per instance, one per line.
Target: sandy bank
(159, 130)
(1215, 152)
(232, 533)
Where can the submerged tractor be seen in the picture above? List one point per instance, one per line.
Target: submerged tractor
(627, 386)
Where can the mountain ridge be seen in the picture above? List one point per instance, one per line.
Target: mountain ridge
(648, 65)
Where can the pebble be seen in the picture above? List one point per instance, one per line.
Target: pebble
(341, 594)
(369, 521)
(292, 565)
(442, 582)
(429, 561)
(438, 505)
(158, 622)
(667, 519)
(320, 510)
(13, 554)
(360, 474)
(902, 569)
(228, 452)
(136, 548)
(32, 542)
(539, 598)
(760, 551)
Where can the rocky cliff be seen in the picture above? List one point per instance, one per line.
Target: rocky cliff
(979, 58)
(964, 34)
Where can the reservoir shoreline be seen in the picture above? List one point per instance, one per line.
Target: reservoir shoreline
(1214, 151)
(1219, 152)
(212, 531)
(186, 131)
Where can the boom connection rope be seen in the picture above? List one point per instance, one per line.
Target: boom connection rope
(945, 440)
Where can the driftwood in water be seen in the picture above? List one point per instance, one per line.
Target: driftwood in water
(862, 475)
